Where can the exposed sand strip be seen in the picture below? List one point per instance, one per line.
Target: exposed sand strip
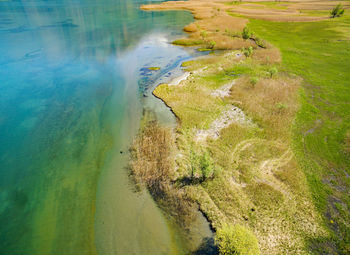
(223, 91)
(178, 80)
(232, 115)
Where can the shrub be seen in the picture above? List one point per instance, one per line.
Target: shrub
(281, 107)
(236, 240)
(337, 11)
(211, 44)
(203, 34)
(246, 34)
(194, 165)
(247, 52)
(202, 166)
(206, 166)
(260, 42)
(254, 81)
(272, 71)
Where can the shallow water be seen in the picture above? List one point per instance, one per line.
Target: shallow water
(71, 98)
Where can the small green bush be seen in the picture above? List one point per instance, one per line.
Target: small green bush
(206, 166)
(246, 34)
(272, 71)
(337, 11)
(202, 166)
(260, 42)
(254, 81)
(236, 240)
(211, 44)
(281, 107)
(247, 52)
(203, 34)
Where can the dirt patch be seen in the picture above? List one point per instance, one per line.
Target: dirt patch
(223, 91)
(178, 80)
(232, 115)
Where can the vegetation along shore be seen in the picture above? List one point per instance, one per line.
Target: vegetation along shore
(262, 143)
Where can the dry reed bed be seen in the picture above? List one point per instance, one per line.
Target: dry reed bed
(152, 167)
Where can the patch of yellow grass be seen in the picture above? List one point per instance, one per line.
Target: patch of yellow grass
(270, 55)
(272, 102)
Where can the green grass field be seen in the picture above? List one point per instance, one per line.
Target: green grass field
(320, 53)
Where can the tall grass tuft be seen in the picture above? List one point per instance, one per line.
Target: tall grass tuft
(152, 167)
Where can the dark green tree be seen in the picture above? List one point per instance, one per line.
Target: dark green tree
(337, 11)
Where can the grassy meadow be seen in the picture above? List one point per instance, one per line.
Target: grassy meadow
(319, 52)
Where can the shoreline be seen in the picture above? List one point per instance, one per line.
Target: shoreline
(117, 202)
(165, 103)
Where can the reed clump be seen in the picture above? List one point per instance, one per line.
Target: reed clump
(152, 167)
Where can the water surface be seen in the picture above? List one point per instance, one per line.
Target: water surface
(72, 81)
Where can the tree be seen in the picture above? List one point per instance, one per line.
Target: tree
(236, 240)
(254, 81)
(246, 34)
(247, 52)
(337, 11)
(206, 166)
(273, 71)
(202, 166)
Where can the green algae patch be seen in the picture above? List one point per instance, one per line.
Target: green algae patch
(204, 49)
(154, 68)
(188, 42)
(187, 63)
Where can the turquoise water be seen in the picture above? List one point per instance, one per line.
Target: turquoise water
(72, 91)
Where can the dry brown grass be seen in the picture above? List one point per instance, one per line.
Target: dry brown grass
(212, 12)
(276, 15)
(270, 55)
(222, 22)
(152, 158)
(273, 102)
(224, 42)
(152, 166)
(191, 28)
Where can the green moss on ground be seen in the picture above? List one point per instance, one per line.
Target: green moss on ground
(154, 68)
(188, 42)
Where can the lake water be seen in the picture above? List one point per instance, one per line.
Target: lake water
(73, 85)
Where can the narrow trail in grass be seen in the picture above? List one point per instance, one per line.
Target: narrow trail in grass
(231, 115)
